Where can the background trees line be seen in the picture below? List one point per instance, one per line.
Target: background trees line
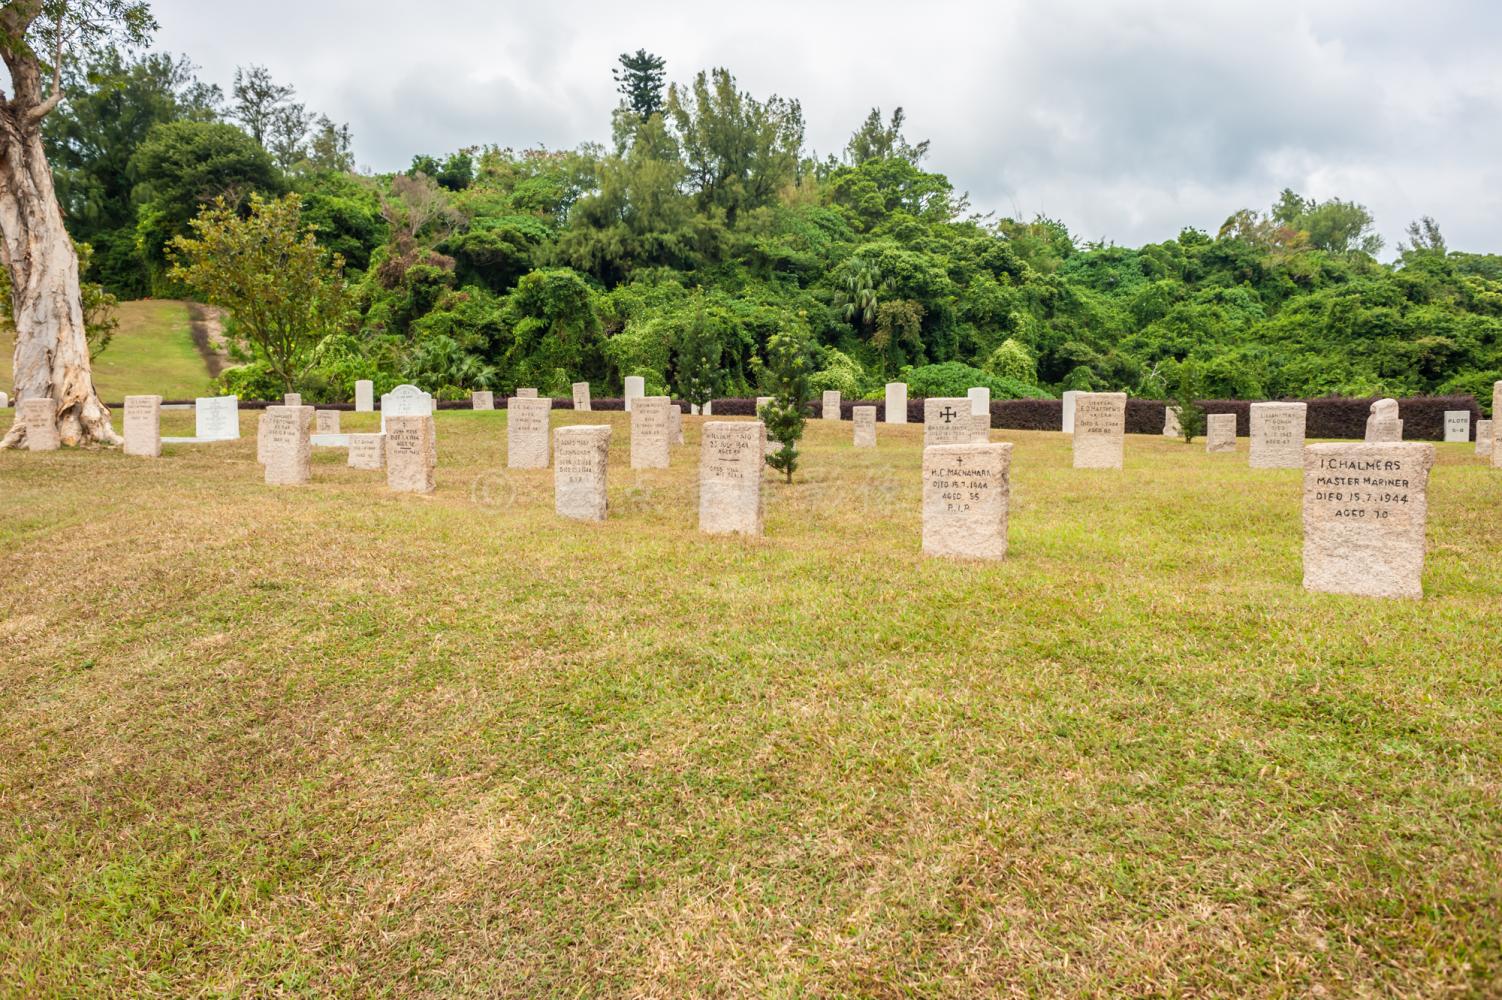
(705, 228)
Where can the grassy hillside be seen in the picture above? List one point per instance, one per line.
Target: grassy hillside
(333, 741)
(152, 352)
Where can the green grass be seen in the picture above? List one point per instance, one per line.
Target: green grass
(151, 352)
(333, 741)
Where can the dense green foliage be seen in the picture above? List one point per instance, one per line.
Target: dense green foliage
(707, 227)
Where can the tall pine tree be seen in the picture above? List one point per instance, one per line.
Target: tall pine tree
(639, 79)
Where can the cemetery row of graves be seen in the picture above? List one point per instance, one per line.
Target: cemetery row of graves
(1364, 509)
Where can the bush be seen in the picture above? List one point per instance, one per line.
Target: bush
(952, 378)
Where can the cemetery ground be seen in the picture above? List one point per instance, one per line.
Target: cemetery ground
(333, 740)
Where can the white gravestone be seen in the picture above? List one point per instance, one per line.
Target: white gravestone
(1365, 508)
(143, 426)
(864, 418)
(581, 396)
(675, 417)
(730, 471)
(1070, 400)
(965, 493)
(410, 454)
(1457, 425)
(708, 409)
(288, 446)
(1220, 432)
(947, 420)
(39, 417)
(830, 405)
(980, 407)
(579, 460)
(1496, 415)
(410, 401)
(1484, 438)
(1172, 426)
(636, 388)
(527, 421)
(1099, 430)
(292, 399)
(527, 393)
(325, 421)
(367, 451)
(896, 402)
(1383, 425)
(650, 433)
(4, 401)
(482, 399)
(364, 395)
(216, 418)
(1277, 435)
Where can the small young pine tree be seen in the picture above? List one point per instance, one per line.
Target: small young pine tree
(786, 374)
(1187, 386)
(696, 360)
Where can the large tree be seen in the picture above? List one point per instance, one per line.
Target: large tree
(37, 39)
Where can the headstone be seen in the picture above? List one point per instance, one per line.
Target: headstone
(1365, 507)
(410, 454)
(367, 451)
(1484, 438)
(980, 406)
(1220, 432)
(773, 446)
(947, 420)
(965, 493)
(1457, 425)
(410, 401)
(830, 408)
(864, 418)
(982, 428)
(708, 409)
(482, 399)
(649, 433)
(1099, 430)
(527, 420)
(143, 426)
(896, 402)
(4, 401)
(292, 399)
(730, 469)
(325, 421)
(760, 402)
(527, 393)
(364, 395)
(216, 418)
(581, 396)
(1496, 415)
(1172, 426)
(675, 416)
(288, 447)
(1383, 426)
(1070, 399)
(636, 388)
(1277, 435)
(39, 417)
(579, 459)
(693, 409)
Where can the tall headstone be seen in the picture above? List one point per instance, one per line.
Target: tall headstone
(1070, 399)
(830, 405)
(864, 418)
(364, 395)
(39, 416)
(581, 396)
(1383, 425)
(1220, 432)
(143, 426)
(288, 446)
(1484, 438)
(675, 422)
(1099, 430)
(1365, 508)
(965, 493)
(1277, 435)
(410, 401)
(636, 388)
(526, 393)
(1173, 427)
(216, 418)
(650, 433)
(896, 402)
(730, 470)
(482, 399)
(411, 456)
(527, 432)
(579, 459)
(708, 409)
(367, 451)
(947, 420)
(1457, 425)
(1496, 415)
(326, 422)
(980, 408)
(292, 399)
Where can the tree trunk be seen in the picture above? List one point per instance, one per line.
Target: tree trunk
(52, 352)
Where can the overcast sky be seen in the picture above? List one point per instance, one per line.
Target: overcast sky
(1127, 119)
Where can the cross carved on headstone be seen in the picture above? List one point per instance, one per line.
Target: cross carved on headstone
(948, 414)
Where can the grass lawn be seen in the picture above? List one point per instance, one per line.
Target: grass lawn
(333, 741)
(151, 352)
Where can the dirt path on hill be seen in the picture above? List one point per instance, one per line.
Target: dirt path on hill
(207, 324)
